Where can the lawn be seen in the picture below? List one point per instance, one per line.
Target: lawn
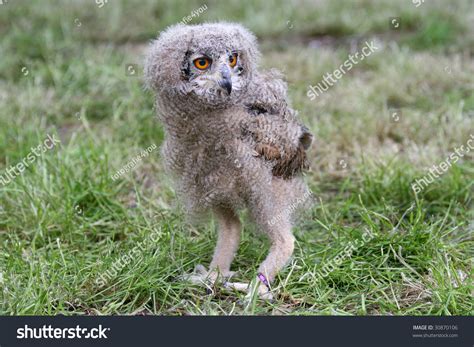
(76, 238)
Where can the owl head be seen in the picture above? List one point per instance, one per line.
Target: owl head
(210, 63)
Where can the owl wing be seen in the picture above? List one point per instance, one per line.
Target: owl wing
(274, 128)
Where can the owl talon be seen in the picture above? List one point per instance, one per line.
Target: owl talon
(262, 290)
(200, 269)
(202, 276)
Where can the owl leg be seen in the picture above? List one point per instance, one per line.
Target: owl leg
(281, 249)
(282, 246)
(227, 241)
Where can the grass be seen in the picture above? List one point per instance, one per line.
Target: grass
(65, 222)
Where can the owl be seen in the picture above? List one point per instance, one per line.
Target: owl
(232, 141)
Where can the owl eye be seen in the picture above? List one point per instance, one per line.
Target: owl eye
(202, 63)
(233, 59)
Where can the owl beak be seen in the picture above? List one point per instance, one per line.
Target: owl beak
(226, 81)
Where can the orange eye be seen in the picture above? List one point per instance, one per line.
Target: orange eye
(233, 60)
(202, 63)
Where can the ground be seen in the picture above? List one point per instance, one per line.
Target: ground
(75, 240)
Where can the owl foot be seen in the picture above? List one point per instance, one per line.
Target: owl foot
(254, 288)
(202, 276)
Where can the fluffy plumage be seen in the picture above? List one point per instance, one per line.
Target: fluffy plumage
(232, 139)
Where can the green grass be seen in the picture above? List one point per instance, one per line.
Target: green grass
(64, 222)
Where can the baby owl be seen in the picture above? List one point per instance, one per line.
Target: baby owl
(232, 140)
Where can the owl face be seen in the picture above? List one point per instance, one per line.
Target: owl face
(205, 65)
(216, 77)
